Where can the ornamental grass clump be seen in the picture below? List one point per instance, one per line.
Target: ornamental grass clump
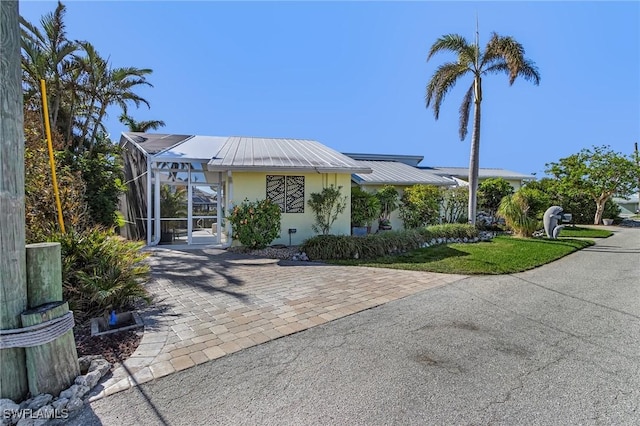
(255, 223)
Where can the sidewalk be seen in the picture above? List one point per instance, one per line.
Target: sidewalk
(210, 303)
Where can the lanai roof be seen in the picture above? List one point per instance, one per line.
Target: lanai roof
(223, 153)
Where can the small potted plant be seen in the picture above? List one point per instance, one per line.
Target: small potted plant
(365, 207)
(388, 198)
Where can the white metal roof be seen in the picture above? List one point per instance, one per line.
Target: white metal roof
(195, 148)
(397, 173)
(412, 160)
(268, 154)
(463, 172)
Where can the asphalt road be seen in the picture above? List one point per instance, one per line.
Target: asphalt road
(556, 345)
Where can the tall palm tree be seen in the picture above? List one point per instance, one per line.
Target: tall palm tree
(501, 55)
(48, 54)
(140, 126)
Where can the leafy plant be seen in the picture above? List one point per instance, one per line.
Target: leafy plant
(420, 206)
(600, 173)
(172, 204)
(516, 212)
(388, 197)
(255, 224)
(490, 194)
(454, 204)
(101, 271)
(365, 207)
(382, 244)
(326, 205)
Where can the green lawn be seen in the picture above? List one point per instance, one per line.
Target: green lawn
(578, 232)
(502, 255)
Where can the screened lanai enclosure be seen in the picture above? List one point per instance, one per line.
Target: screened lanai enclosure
(173, 197)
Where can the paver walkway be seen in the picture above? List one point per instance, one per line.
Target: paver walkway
(210, 303)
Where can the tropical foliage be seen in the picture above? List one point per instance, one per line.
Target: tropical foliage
(326, 205)
(82, 85)
(519, 212)
(388, 197)
(501, 55)
(420, 206)
(255, 224)
(101, 271)
(365, 207)
(490, 194)
(599, 173)
(383, 244)
(454, 204)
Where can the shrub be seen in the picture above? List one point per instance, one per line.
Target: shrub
(101, 271)
(365, 207)
(516, 213)
(420, 206)
(491, 192)
(388, 197)
(255, 224)
(381, 244)
(327, 205)
(454, 204)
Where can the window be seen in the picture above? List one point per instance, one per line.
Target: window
(287, 192)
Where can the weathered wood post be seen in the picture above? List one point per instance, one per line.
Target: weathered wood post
(13, 283)
(53, 366)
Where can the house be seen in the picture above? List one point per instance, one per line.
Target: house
(515, 179)
(204, 176)
(628, 206)
(400, 171)
(181, 186)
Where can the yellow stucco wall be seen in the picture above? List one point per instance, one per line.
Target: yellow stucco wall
(252, 186)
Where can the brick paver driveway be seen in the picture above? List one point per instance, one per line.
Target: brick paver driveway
(210, 303)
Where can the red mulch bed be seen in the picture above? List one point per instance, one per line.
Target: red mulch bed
(115, 347)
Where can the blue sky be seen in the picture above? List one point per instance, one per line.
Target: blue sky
(352, 75)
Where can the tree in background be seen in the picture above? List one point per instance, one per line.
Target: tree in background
(490, 194)
(140, 126)
(600, 173)
(420, 206)
(81, 84)
(501, 55)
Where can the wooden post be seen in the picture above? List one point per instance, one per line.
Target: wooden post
(52, 367)
(13, 283)
(44, 274)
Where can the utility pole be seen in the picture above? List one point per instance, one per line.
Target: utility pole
(13, 279)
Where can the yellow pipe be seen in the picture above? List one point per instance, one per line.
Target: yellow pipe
(52, 161)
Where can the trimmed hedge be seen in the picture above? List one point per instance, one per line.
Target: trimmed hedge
(383, 243)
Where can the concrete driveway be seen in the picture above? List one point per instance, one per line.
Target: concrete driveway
(211, 303)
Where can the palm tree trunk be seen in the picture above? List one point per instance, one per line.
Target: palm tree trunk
(474, 157)
(13, 276)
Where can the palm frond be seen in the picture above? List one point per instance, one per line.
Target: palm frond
(465, 112)
(441, 82)
(508, 50)
(450, 42)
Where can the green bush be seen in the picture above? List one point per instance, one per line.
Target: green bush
(255, 224)
(365, 207)
(326, 205)
(518, 215)
(383, 243)
(454, 204)
(388, 198)
(490, 192)
(420, 206)
(101, 272)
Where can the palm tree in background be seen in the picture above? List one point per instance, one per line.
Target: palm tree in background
(140, 126)
(500, 55)
(81, 84)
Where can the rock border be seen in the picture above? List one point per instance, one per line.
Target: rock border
(38, 410)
